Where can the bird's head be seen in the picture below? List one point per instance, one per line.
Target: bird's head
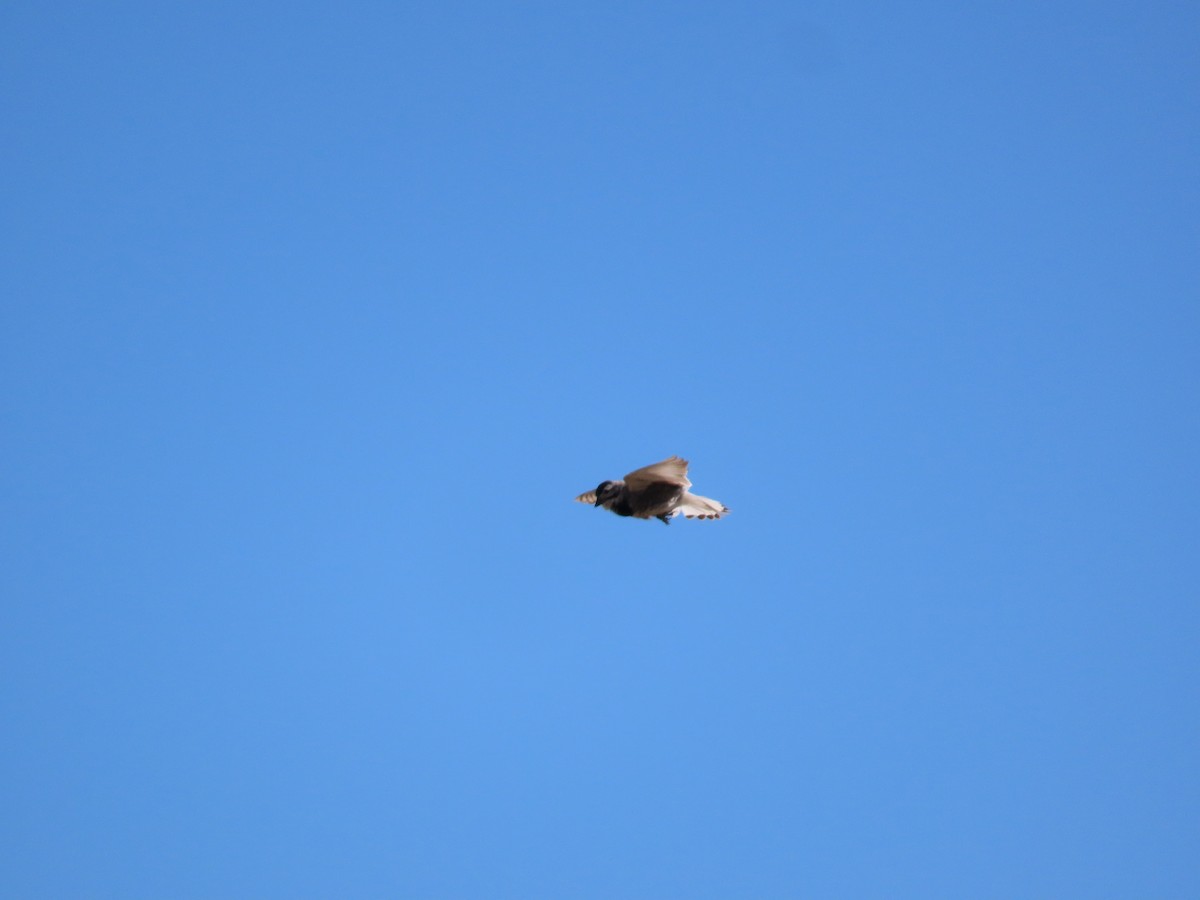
(606, 491)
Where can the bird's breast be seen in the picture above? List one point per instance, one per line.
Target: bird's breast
(655, 499)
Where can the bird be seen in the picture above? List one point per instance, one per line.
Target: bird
(658, 491)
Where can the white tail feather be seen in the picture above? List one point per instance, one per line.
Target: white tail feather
(693, 506)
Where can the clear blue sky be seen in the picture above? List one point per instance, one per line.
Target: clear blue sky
(316, 317)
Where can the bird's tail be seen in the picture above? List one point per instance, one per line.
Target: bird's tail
(693, 506)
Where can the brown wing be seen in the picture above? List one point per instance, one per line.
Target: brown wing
(671, 471)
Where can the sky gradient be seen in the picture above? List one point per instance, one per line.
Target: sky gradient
(315, 318)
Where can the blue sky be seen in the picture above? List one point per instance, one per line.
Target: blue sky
(315, 319)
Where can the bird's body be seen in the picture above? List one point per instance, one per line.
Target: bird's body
(658, 491)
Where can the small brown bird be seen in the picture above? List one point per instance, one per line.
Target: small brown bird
(658, 492)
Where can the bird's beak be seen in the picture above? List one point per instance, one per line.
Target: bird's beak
(598, 502)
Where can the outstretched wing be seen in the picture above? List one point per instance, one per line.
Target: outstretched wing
(588, 497)
(669, 471)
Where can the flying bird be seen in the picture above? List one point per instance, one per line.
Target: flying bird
(658, 492)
